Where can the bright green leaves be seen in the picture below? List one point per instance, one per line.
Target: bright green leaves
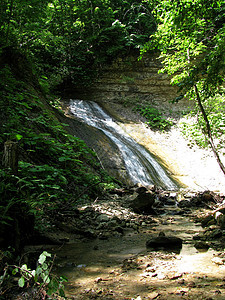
(41, 279)
(21, 282)
(42, 257)
(215, 110)
(155, 119)
(191, 44)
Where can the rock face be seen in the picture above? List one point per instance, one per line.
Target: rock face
(128, 80)
(108, 153)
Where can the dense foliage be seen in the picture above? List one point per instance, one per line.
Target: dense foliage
(55, 169)
(193, 126)
(191, 40)
(70, 39)
(43, 43)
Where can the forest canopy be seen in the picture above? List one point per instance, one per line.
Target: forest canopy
(72, 39)
(191, 39)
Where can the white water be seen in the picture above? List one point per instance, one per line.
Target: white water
(141, 166)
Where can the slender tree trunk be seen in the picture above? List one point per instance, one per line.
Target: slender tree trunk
(208, 130)
(10, 157)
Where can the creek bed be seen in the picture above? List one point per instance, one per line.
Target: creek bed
(122, 268)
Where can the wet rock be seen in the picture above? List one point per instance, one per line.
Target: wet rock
(103, 218)
(166, 242)
(184, 204)
(143, 202)
(220, 219)
(208, 220)
(213, 233)
(201, 245)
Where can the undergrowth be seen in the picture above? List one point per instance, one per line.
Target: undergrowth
(154, 117)
(54, 167)
(194, 128)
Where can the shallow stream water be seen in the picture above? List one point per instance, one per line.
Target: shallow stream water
(122, 267)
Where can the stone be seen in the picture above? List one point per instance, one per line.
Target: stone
(143, 202)
(103, 218)
(184, 204)
(166, 242)
(220, 219)
(201, 245)
(208, 220)
(141, 190)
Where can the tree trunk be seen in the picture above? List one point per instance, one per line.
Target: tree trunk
(10, 156)
(208, 130)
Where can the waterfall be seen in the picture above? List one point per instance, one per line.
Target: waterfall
(140, 164)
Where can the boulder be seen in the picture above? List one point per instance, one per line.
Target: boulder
(220, 219)
(201, 245)
(184, 204)
(208, 220)
(166, 242)
(143, 202)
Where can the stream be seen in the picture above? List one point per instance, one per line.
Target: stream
(121, 267)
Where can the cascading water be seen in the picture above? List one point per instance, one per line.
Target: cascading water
(141, 166)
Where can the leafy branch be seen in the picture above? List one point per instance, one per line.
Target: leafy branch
(41, 278)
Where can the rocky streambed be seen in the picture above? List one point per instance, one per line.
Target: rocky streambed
(104, 248)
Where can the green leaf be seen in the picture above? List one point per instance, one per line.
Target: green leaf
(47, 254)
(21, 282)
(42, 258)
(44, 266)
(14, 271)
(25, 104)
(24, 267)
(46, 279)
(39, 270)
(18, 137)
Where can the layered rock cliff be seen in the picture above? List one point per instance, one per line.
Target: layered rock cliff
(130, 80)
